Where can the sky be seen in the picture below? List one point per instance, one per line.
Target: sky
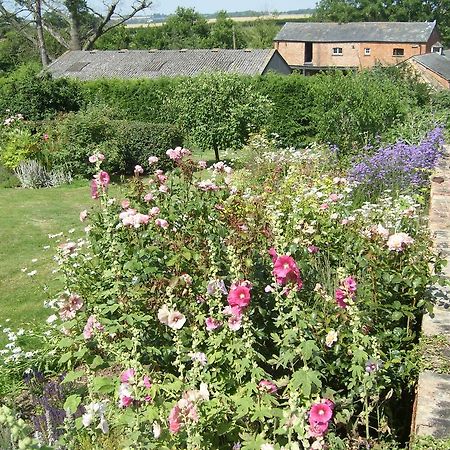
(211, 6)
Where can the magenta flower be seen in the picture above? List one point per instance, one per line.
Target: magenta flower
(273, 254)
(320, 412)
(127, 376)
(286, 270)
(317, 429)
(313, 249)
(94, 189)
(146, 382)
(239, 296)
(267, 386)
(212, 324)
(349, 284)
(340, 297)
(103, 178)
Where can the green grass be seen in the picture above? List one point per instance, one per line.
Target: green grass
(27, 217)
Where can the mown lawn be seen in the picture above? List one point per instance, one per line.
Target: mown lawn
(27, 217)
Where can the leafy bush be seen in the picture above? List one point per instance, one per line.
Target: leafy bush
(99, 129)
(7, 178)
(218, 111)
(240, 309)
(36, 95)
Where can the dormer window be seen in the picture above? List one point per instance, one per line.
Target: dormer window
(437, 48)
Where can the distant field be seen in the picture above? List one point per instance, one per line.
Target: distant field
(236, 19)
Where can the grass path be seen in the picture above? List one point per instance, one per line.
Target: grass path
(27, 217)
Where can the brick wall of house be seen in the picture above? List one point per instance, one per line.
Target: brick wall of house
(353, 54)
(429, 76)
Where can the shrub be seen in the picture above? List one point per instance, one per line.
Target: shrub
(33, 175)
(37, 95)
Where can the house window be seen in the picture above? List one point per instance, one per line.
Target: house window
(337, 50)
(367, 51)
(437, 50)
(398, 52)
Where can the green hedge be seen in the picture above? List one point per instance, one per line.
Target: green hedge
(124, 143)
(36, 95)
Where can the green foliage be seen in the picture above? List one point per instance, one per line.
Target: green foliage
(99, 129)
(18, 144)
(36, 95)
(430, 443)
(224, 33)
(7, 178)
(218, 111)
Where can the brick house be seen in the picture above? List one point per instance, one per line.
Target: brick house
(311, 47)
(434, 68)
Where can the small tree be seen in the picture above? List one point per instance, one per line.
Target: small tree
(218, 111)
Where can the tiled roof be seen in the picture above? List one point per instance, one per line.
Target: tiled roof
(356, 32)
(437, 63)
(88, 65)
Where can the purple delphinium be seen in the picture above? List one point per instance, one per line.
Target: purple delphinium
(400, 165)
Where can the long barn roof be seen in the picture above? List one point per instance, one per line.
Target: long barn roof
(356, 32)
(89, 65)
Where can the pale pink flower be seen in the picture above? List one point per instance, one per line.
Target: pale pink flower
(333, 197)
(83, 215)
(176, 320)
(69, 306)
(207, 185)
(399, 241)
(92, 325)
(125, 203)
(239, 296)
(186, 278)
(100, 156)
(153, 160)
(175, 419)
(154, 211)
(163, 314)
(45, 137)
(162, 223)
(235, 322)
(163, 188)
(202, 164)
(268, 289)
(267, 386)
(93, 159)
(174, 153)
(94, 189)
(349, 284)
(317, 429)
(148, 197)
(324, 206)
(127, 376)
(138, 170)
(212, 324)
(331, 338)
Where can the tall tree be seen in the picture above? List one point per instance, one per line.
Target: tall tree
(78, 26)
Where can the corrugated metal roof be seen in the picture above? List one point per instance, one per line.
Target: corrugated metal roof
(439, 64)
(356, 32)
(152, 64)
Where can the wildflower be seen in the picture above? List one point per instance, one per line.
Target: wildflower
(83, 215)
(162, 223)
(340, 297)
(349, 284)
(163, 189)
(138, 170)
(92, 324)
(93, 159)
(317, 429)
(156, 427)
(320, 412)
(268, 289)
(96, 409)
(45, 137)
(372, 365)
(267, 386)
(203, 391)
(69, 306)
(399, 241)
(176, 320)
(286, 270)
(127, 376)
(153, 160)
(207, 185)
(331, 338)
(239, 296)
(103, 178)
(212, 324)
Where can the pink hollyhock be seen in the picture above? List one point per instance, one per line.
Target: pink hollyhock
(273, 254)
(153, 160)
(329, 403)
(138, 170)
(286, 270)
(162, 223)
(94, 189)
(93, 159)
(399, 241)
(212, 324)
(176, 320)
(202, 165)
(161, 178)
(239, 296)
(267, 386)
(163, 188)
(235, 322)
(313, 249)
(317, 429)
(340, 297)
(92, 324)
(146, 382)
(148, 197)
(175, 419)
(233, 311)
(320, 412)
(154, 211)
(127, 376)
(103, 178)
(324, 206)
(125, 203)
(350, 284)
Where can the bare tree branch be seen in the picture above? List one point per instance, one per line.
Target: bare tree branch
(57, 36)
(11, 18)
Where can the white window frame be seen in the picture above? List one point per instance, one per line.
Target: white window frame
(367, 51)
(337, 51)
